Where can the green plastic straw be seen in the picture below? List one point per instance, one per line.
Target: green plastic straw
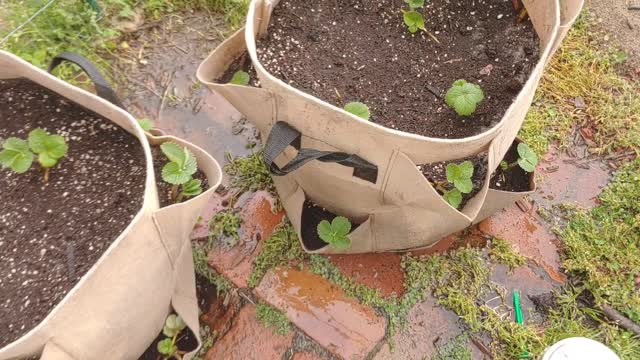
(516, 306)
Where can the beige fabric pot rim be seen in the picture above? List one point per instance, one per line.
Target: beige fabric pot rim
(250, 38)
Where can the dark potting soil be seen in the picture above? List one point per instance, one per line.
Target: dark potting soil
(52, 234)
(164, 188)
(312, 215)
(437, 173)
(514, 179)
(361, 50)
(242, 62)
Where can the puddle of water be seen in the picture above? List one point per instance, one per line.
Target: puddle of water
(161, 85)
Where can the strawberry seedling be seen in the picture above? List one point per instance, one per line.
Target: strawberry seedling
(49, 148)
(167, 347)
(458, 175)
(240, 78)
(145, 124)
(16, 155)
(335, 232)
(179, 172)
(464, 97)
(527, 159)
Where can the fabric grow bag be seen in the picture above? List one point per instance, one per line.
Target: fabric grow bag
(359, 169)
(119, 306)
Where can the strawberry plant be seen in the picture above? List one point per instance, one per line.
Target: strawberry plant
(167, 347)
(179, 171)
(527, 159)
(458, 175)
(49, 148)
(358, 109)
(240, 78)
(145, 124)
(464, 97)
(413, 19)
(16, 155)
(335, 232)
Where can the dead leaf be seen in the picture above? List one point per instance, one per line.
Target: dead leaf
(578, 102)
(486, 70)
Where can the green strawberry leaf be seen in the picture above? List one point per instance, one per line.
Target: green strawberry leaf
(50, 148)
(174, 153)
(413, 20)
(453, 197)
(341, 226)
(415, 4)
(325, 231)
(466, 169)
(464, 185)
(341, 243)
(173, 325)
(358, 109)
(192, 188)
(460, 176)
(16, 155)
(464, 97)
(174, 174)
(36, 140)
(166, 347)
(528, 158)
(145, 124)
(240, 78)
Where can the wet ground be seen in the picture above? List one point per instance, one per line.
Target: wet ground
(160, 65)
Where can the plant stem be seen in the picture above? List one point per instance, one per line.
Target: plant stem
(46, 175)
(180, 197)
(174, 192)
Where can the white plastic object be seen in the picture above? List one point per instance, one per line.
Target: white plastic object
(579, 348)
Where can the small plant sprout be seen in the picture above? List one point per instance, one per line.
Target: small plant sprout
(49, 148)
(173, 326)
(16, 155)
(459, 175)
(240, 78)
(145, 124)
(335, 232)
(464, 97)
(527, 159)
(179, 171)
(414, 19)
(358, 109)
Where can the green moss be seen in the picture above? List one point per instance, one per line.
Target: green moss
(249, 173)
(457, 348)
(502, 251)
(273, 318)
(280, 248)
(202, 268)
(224, 226)
(585, 69)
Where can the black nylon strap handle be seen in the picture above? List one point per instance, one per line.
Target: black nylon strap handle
(283, 135)
(103, 89)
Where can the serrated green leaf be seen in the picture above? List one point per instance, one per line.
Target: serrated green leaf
(16, 144)
(325, 231)
(174, 153)
(466, 169)
(528, 158)
(504, 165)
(191, 165)
(464, 185)
(46, 161)
(341, 243)
(413, 20)
(166, 347)
(36, 140)
(453, 172)
(18, 162)
(145, 124)
(460, 176)
(358, 109)
(174, 174)
(341, 226)
(192, 188)
(50, 148)
(464, 97)
(415, 4)
(453, 197)
(173, 325)
(240, 78)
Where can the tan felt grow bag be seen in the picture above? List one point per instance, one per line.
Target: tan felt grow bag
(118, 308)
(397, 209)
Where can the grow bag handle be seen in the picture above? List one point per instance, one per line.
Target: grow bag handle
(103, 89)
(282, 135)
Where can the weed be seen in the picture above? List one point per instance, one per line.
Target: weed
(457, 348)
(584, 69)
(279, 249)
(173, 326)
(202, 268)
(335, 232)
(179, 171)
(273, 318)
(358, 109)
(240, 78)
(224, 226)
(249, 173)
(464, 97)
(502, 251)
